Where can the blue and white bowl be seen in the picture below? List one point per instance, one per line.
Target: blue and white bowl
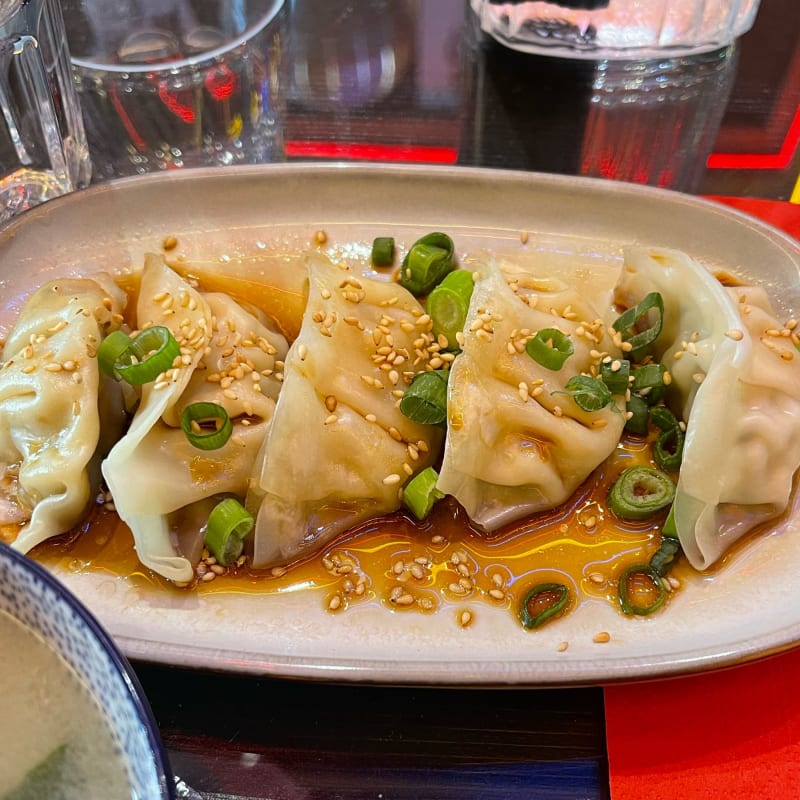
(34, 597)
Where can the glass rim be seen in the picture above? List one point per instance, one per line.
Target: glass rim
(182, 63)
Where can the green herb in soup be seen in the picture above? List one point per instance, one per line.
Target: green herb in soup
(60, 747)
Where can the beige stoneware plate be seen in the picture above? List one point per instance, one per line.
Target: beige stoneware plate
(747, 610)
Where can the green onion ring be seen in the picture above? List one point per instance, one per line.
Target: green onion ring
(550, 348)
(639, 492)
(662, 561)
(383, 251)
(626, 324)
(152, 352)
(637, 421)
(201, 413)
(228, 525)
(111, 348)
(448, 304)
(420, 493)
(425, 400)
(427, 262)
(615, 374)
(542, 603)
(668, 449)
(626, 602)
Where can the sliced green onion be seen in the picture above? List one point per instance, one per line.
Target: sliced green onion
(227, 527)
(148, 355)
(590, 394)
(663, 418)
(615, 374)
(447, 306)
(425, 400)
(383, 251)
(668, 449)
(111, 348)
(637, 421)
(662, 561)
(648, 382)
(640, 492)
(550, 348)
(427, 262)
(628, 324)
(207, 426)
(542, 603)
(420, 493)
(641, 591)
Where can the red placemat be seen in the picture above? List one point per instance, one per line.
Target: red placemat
(731, 734)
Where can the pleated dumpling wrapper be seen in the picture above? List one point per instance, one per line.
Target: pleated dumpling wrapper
(517, 443)
(54, 406)
(736, 383)
(228, 358)
(339, 450)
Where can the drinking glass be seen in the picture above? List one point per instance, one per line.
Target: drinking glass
(43, 151)
(597, 29)
(166, 84)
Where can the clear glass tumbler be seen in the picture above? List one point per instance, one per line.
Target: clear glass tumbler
(166, 84)
(610, 29)
(43, 151)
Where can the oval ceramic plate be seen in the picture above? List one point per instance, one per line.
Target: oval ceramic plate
(746, 610)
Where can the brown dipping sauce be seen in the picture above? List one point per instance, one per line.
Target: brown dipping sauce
(425, 567)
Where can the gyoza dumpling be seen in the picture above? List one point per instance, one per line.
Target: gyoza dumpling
(230, 360)
(738, 384)
(516, 445)
(51, 398)
(339, 449)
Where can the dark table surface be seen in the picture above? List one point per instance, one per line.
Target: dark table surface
(727, 124)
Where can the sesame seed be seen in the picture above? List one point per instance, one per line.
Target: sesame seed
(405, 600)
(698, 377)
(335, 602)
(437, 539)
(735, 334)
(370, 418)
(602, 637)
(392, 480)
(497, 594)
(209, 576)
(330, 419)
(597, 577)
(456, 588)
(302, 352)
(562, 646)
(169, 243)
(465, 618)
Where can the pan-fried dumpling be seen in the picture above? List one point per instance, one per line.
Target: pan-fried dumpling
(515, 443)
(51, 398)
(738, 384)
(339, 449)
(231, 360)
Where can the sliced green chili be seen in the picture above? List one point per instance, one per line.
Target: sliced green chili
(420, 493)
(637, 419)
(427, 262)
(628, 324)
(641, 591)
(668, 449)
(639, 492)
(448, 304)
(542, 603)
(148, 355)
(425, 400)
(207, 426)
(550, 348)
(227, 527)
(615, 374)
(662, 561)
(111, 348)
(590, 394)
(383, 251)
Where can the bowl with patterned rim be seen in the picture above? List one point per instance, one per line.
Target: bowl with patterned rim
(33, 602)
